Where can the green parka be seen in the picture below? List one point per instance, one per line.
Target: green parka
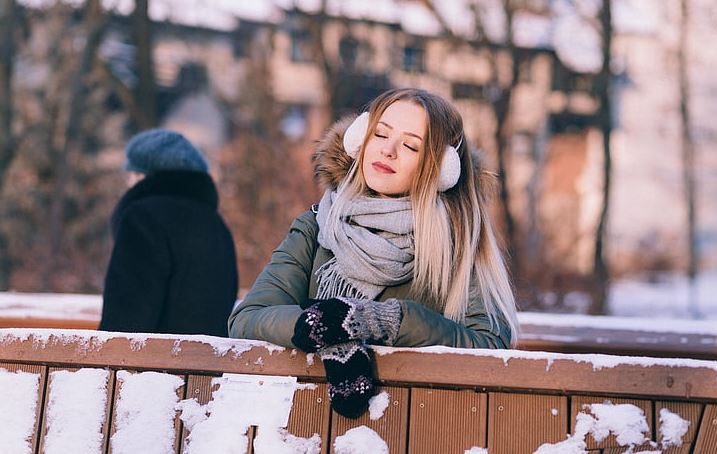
(271, 308)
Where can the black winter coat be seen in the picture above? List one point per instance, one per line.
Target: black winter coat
(173, 266)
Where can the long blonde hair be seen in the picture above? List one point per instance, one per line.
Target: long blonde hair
(454, 223)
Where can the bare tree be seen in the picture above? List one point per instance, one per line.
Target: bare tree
(146, 91)
(503, 132)
(140, 102)
(688, 155)
(600, 266)
(94, 26)
(8, 19)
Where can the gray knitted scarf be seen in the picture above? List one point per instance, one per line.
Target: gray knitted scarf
(372, 245)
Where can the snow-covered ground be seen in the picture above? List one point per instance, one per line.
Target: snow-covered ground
(666, 296)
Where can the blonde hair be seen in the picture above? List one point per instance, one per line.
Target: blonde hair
(456, 220)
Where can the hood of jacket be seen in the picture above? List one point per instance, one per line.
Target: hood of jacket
(332, 163)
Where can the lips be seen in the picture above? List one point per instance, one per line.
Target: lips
(381, 167)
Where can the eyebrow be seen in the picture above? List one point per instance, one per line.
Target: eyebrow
(405, 132)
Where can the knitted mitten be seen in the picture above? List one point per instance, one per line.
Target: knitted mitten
(349, 371)
(337, 320)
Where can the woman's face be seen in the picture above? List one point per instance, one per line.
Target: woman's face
(392, 153)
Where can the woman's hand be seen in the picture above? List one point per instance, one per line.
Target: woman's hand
(333, 321)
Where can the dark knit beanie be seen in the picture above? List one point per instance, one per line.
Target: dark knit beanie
(161, 149)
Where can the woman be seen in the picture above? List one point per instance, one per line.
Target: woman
(399, 251)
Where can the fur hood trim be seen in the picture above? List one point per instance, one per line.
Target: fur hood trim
(331, 162)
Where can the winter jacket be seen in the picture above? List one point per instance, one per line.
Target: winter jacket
(173, 266)
(271, 308)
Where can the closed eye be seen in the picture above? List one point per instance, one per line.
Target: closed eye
(410, 147)
(380, 135)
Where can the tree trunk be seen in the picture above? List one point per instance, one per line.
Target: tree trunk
(8, 10)
(8, 14)
(95, 26)
(600, 266)
(502, 109)
(146, 91)
(688, 159)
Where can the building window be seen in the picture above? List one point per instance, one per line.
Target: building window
(243, 41)
(525, 71)
(461, 90)
(348, 51)
(354, 52)
(413, 58)
(300, 46)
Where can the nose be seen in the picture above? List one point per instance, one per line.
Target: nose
(389, 149)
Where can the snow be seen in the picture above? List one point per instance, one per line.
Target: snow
(665, 295)
(569, 30)
(598, 361)
(378, 404)
(418, 20)
(655, 325)
(672, 428)
(50, 306)
(76, 411)
(244, 400)
(145, 413)
(476, 450)
(90, 340)
(360, 440)
(18, 404)
(626, 421)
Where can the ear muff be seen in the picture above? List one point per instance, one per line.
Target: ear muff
(354, 135)
(450, 168)
(450, 164)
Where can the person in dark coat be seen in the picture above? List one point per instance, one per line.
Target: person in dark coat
(173, 265)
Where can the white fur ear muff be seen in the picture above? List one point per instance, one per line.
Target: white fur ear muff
(450, 164)
(354, 135)
(450, 169)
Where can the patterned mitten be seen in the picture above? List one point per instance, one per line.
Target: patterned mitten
(337, 320)
(349, 371)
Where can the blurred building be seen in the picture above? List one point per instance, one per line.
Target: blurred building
(216, 62)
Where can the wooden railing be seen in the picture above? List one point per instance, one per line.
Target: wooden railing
(441, 400)
(540, 332)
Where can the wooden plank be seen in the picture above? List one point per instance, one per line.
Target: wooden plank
(310, 414)
(707, 436)
(537, 418)
(446, 421)
(39, 410)
(576, 406)
(200, 387)
(177, 422)
(391, 426)
(112, 388)
(108, 404)
(583, 339)
(37, 322)
(669, 379)
(688, 411)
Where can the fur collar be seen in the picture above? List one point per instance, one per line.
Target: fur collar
(185, 184)
(332, 164)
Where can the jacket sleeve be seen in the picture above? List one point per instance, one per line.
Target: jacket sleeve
(421, 327)
(136, 280)
(270, 309)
